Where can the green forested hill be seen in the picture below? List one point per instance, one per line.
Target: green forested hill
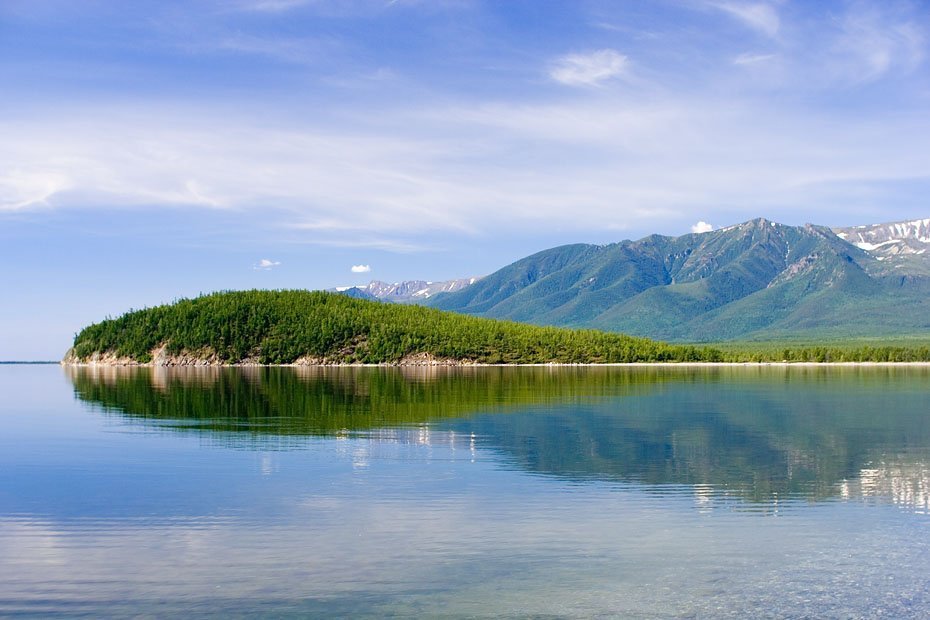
(759, 280)
(279, 327)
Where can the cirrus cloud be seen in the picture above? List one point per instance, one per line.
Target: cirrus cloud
(759, 16)
(23, 189)
(752, 59)
(591, 69)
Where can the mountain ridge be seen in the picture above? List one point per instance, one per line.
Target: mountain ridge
(408, 291)
(902, 245)
(757, 280)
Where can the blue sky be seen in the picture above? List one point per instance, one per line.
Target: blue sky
(154, 150)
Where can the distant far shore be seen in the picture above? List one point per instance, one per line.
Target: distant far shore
(21, 362)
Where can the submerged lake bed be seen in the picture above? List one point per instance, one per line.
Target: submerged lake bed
(570, 492)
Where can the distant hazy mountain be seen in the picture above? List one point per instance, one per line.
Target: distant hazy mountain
(410, 291)
(354, 291)
(904, 245)
(759, 279)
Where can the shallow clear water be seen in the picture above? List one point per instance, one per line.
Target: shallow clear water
(652, 492)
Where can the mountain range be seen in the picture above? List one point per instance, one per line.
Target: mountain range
(758, 280)
(409, 291)
(903, 245)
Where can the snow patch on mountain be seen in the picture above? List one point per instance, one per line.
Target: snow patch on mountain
(894, 239)
(411, 290)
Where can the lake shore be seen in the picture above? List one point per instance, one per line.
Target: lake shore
(161, 358)
(466, 364)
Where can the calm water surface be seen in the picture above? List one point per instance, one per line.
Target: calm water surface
(580, 492)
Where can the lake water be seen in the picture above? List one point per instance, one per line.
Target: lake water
(476, 492)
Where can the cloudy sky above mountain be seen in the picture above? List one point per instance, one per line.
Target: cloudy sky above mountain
(152, 150)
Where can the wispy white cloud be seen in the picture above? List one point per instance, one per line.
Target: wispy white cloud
(369, 242)
(296, 50)
(23, 189)
(361, 269)
(270, 6)
(338, 8)
(318, 179)
(702, 227)
(752, 59)
(266, 264)
(759, 16)
(636, 33)
(875, 39)
(609, 164)
(590, 69)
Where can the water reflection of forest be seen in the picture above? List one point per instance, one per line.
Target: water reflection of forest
(755, 433)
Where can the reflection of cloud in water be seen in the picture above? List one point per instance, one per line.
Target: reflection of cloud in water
(604, 551)
(904, 484)
(30, 544)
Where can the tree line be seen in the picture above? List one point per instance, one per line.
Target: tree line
(280, 327)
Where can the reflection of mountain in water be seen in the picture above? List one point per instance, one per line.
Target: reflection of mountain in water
(761, 435)
(753, 433)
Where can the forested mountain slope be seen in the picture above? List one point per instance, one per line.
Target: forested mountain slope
(759, 279)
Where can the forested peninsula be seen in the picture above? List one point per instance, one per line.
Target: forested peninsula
(314, 327)
(319, 328)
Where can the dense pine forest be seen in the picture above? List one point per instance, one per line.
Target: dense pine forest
(282, 327)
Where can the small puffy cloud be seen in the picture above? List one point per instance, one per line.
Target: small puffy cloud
(589, 69)
(266, 264)
(361, 268)
(702, 227)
